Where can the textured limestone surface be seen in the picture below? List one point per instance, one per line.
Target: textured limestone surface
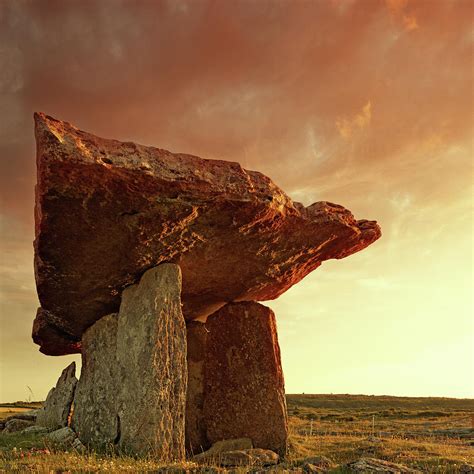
(242, 388)
(64, 436)
(132, 391)
(365, 465)
(95, 418)
(196, 439)
(57, 407)
(224, 446)
(107, 211)
(151, 355)
(14, 425)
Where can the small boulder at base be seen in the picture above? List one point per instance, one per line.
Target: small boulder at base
(247, 457)
(14, 425)
(26, 415)
(316, 464)
(244, 393)
(224, 446)
(64, 436)
(57, 408)
(78, 446)
(35, 429)
(368, 465)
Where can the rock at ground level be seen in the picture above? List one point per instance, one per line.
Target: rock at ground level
(107, 211)
(57, 408)
(243, 390)
(367, 465)
(35, 429)
(78, 446)
(25, 415)
(132, 391)
(64, 436)
(14, 425)
(223, 446)
(246, 457)
(316, 464)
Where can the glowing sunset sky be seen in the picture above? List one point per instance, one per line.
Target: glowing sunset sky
(364, 103)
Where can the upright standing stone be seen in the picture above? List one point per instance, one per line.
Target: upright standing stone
(243, 388)
(151, 356)
(57, 408)
(196, 438)
(95, 417)
(132, 391)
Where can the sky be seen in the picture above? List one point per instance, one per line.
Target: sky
(364, 103)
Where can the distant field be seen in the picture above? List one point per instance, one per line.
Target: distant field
(429, 434)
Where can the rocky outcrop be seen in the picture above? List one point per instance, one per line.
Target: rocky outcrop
(132, 391)
(57, 407)
(242, 388)
(368, 465)
(107, 211)
(14, 425)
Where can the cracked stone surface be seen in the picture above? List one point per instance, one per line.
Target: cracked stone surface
(57, 407)
(107, 211)
(240, 391)
(132, 390)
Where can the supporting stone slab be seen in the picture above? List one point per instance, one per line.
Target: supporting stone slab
(132, 391)
(57, 407)
(96, 402)
(196, 438)
(238, 389)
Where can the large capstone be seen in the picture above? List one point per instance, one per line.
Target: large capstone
(238, 387)
(107, 211)
(132, 390)
(57, 407)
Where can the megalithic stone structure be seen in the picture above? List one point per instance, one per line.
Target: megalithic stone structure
(115, 225)
(237, 388)
(132, 390)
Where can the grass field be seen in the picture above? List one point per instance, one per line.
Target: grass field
(428, 434)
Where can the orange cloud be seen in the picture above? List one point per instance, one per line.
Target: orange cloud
(361, 120)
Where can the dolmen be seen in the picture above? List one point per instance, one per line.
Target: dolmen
(152, 265)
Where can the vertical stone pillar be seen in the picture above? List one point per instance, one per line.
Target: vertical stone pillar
(196, 438)
(57, 407)
(132, 390)
(151, 355)
(238, 379)
(95, 418)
